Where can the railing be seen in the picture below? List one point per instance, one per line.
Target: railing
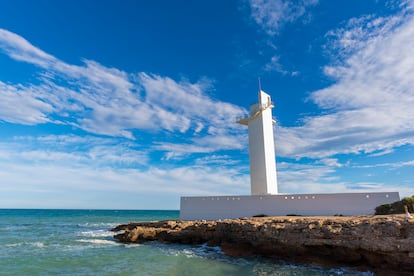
(254, 112)
(261, 107)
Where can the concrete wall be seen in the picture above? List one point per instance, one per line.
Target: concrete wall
(221, 207)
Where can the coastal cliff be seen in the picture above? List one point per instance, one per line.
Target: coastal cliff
(375, 242)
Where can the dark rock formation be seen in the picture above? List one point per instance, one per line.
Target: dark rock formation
(376, 242)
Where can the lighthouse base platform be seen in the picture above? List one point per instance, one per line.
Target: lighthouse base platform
(224, 207)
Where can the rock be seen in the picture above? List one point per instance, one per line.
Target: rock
(379, 242)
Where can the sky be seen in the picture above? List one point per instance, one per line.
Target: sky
(132, 104)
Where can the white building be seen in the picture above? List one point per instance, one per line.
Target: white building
(264, 198)
(263, 179)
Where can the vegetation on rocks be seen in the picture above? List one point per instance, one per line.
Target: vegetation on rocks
(396, 207)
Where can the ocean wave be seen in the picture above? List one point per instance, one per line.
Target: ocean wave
(198, 251)
(98, 241)
(38, 244)
(131, 245)
(26, 244)
(267, 267)
(97, 233)
(203, 251)
(106, 225)
(261, 266)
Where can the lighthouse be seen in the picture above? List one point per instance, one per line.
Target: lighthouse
(263, 179)
(264, 198)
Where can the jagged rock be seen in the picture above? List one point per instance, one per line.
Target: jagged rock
(379, 242)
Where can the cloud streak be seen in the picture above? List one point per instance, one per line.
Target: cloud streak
(21, 105)
(20, 49)
(271, 16)
(116, 108)
(33, 174)
(109, 101)
(370, 106)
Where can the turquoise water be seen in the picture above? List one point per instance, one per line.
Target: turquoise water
(77, 242)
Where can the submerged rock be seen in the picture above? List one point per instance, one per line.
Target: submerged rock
(377, 242)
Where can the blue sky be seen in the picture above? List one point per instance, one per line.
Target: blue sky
(131, 104)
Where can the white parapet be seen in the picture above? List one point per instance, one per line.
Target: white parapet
(223, 207)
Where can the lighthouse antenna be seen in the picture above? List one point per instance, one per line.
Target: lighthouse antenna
(260, 85)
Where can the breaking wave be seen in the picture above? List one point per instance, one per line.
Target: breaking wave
(98, 241)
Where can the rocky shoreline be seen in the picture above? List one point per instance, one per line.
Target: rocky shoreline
(378, 243)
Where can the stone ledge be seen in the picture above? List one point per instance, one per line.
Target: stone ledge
(378, 243)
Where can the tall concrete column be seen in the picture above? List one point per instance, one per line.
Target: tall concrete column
(263, 179)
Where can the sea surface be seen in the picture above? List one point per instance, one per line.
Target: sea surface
(78, 242)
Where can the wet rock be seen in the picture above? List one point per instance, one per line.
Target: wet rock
(379, 242)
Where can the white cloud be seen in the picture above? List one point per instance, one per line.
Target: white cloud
(111, 102)
(307, 178)
(189, 101)
(20, 49)
(20, 105)
(271, 16)
(221, 160)
(177, 151)
(330, 162)
(75, 182)
(313, 172)
(221, 141)
(37, 166)
(321, 178)
(370, 107)
(274, 65)
(74, 150)
(206, 144)
(388, 165)
(358, 32)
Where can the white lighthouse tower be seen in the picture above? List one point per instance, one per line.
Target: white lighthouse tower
(263, 179)
(264, 198)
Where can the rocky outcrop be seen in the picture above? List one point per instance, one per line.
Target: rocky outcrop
(377, 242)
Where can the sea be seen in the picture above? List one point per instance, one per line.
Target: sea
(78, 242)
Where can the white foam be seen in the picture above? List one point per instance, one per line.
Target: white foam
(97, 233)
(98, 241)
(216, 249)
(35, 244)
(128, 245)
(201, 251)
(38, 244)
(100, 224)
